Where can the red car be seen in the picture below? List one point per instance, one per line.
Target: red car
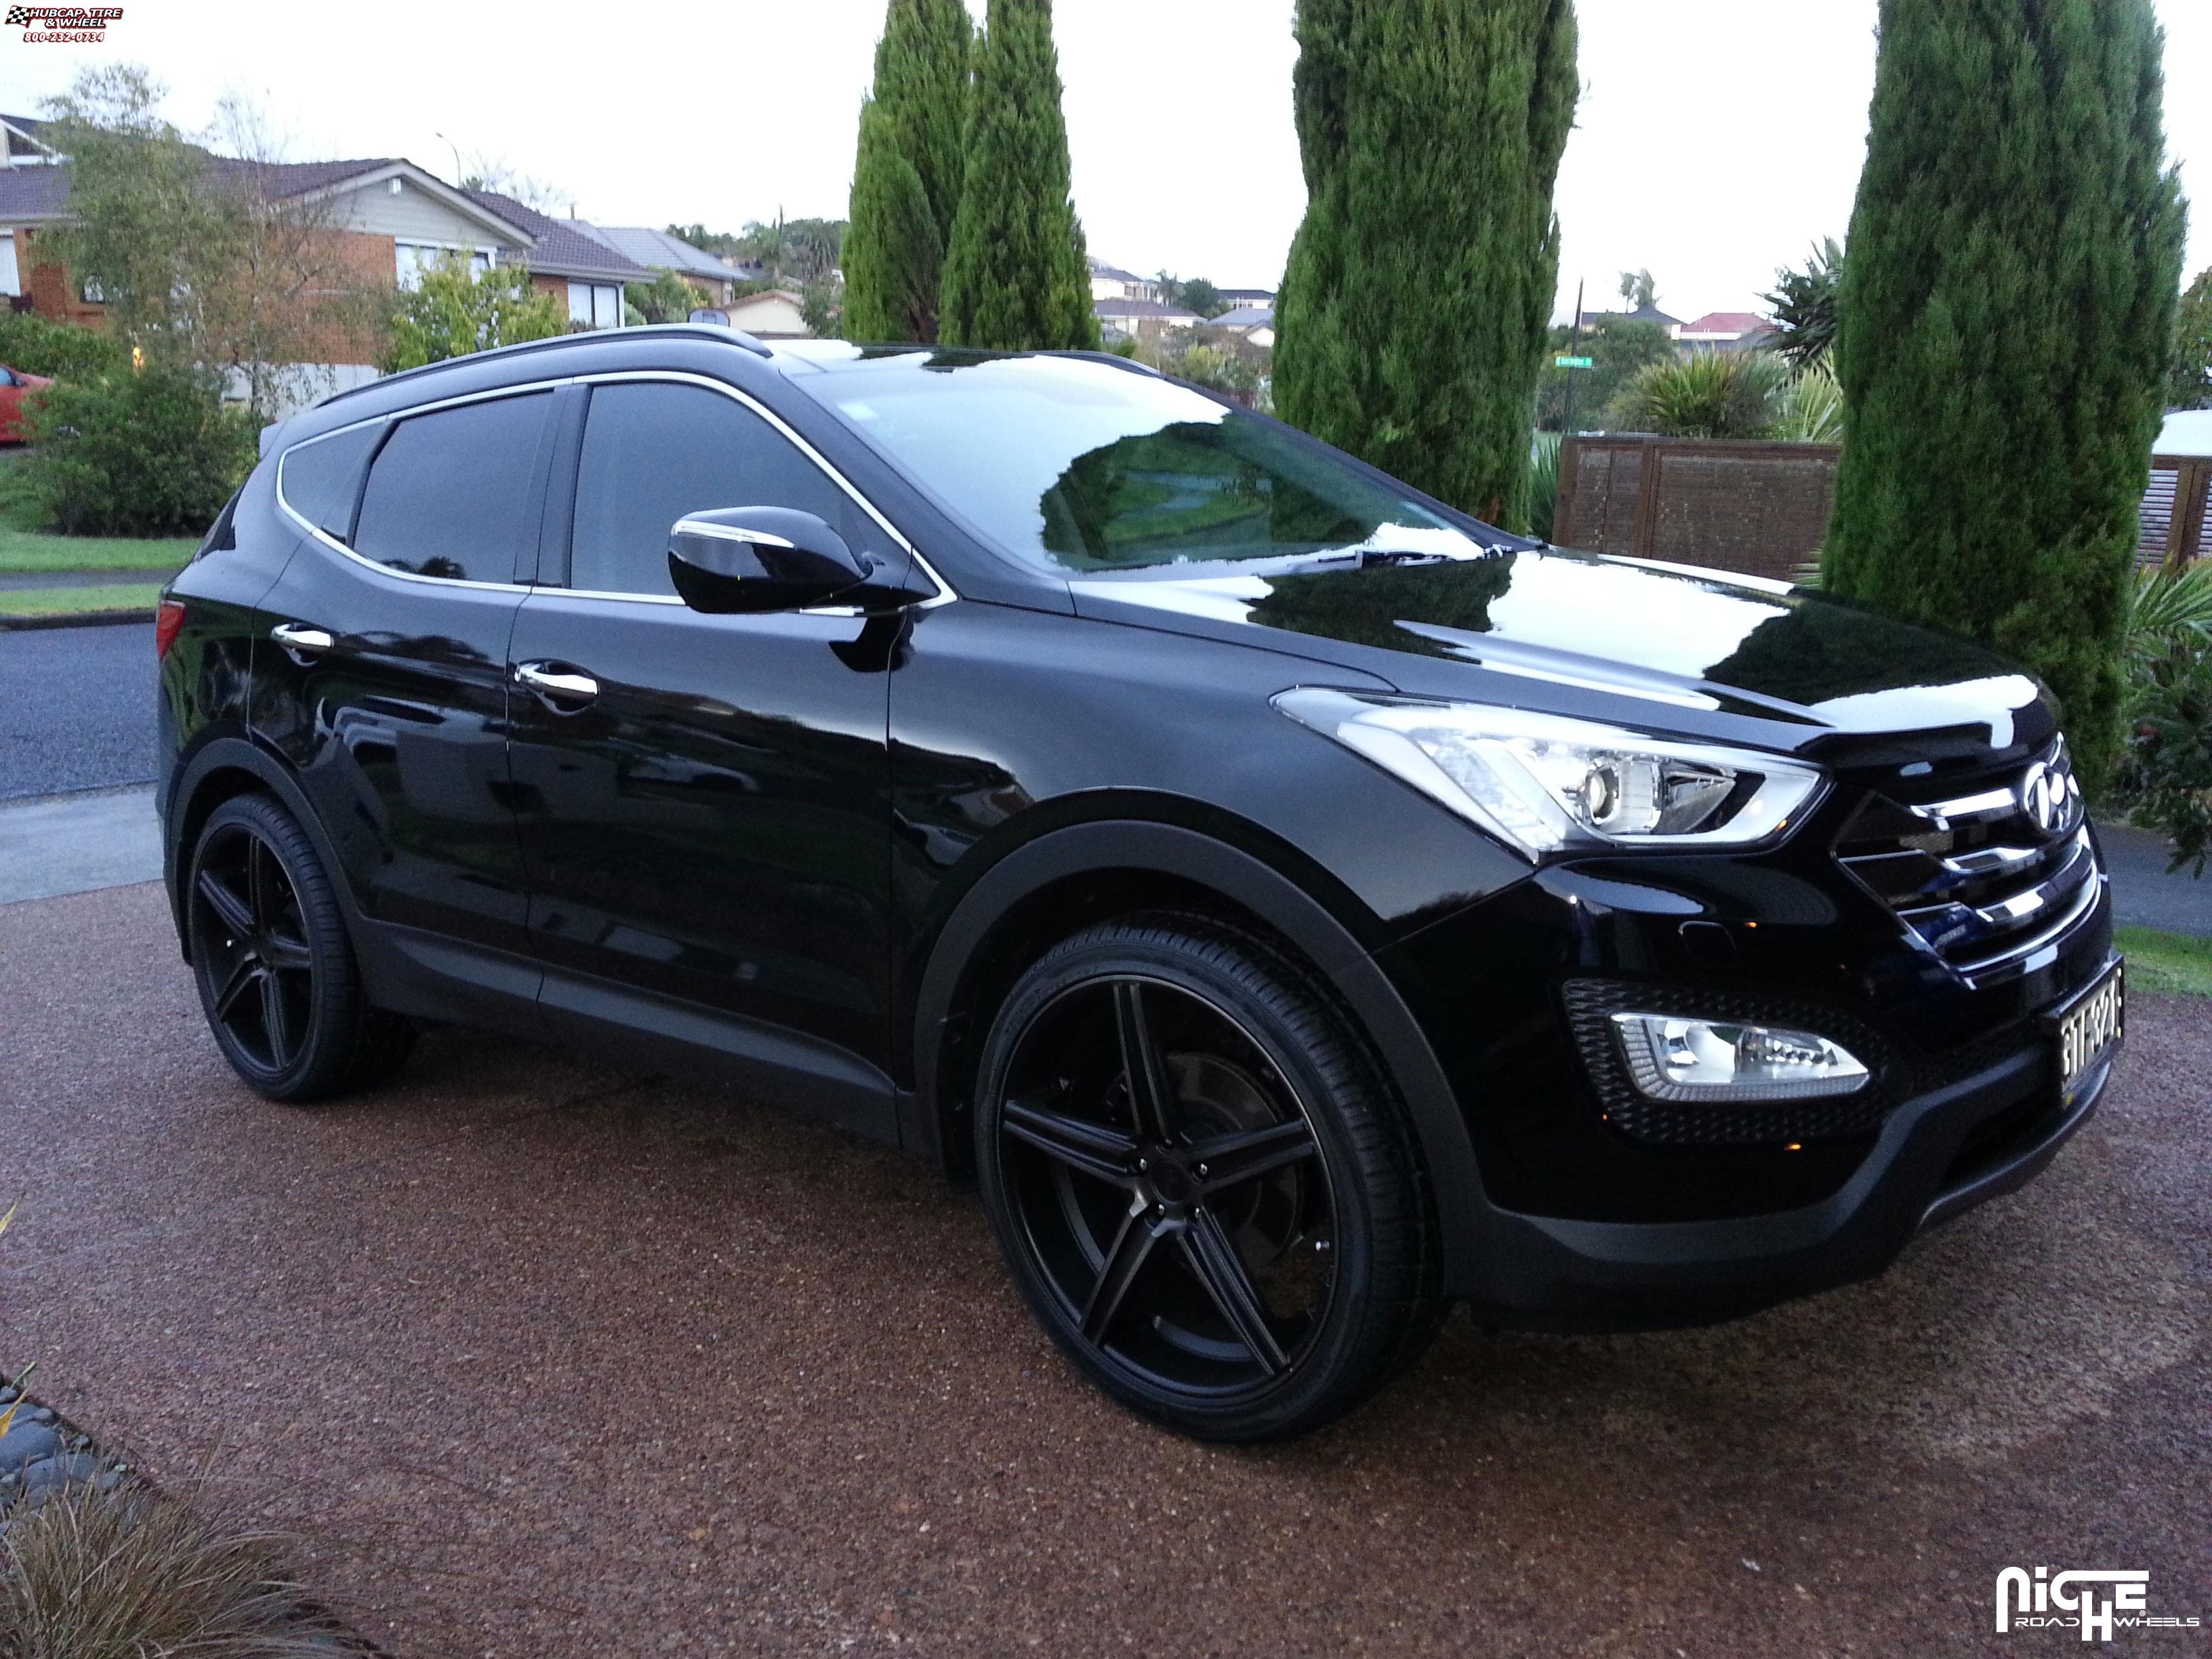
(15, 386)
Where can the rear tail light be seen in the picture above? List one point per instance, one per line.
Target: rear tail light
(168, 620)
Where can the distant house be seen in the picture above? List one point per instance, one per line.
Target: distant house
(1121, 319)
(776, 314)
(1239, 299)
(713, 276)
(1641, 314)
(1112, 282)
(567, 262)
(1256, 323)
(1725, 330)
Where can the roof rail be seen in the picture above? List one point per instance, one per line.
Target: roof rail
(736, 337)
(1113, 357)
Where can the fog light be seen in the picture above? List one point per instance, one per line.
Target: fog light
(1675, 1059)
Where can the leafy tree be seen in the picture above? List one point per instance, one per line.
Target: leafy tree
(1192, 294)
(2189, 382)
(2006, 321)
(822, 305)
(667, 299)
(1638, 290)
(1017, 277)
(1804, 307)
(1707, 394)
(1617, 348)
(455, 311)
(1413, 311)
(906, 178)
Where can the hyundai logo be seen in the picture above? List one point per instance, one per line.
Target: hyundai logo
(2049, 796)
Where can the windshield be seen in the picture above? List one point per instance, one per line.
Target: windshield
(1079, 466)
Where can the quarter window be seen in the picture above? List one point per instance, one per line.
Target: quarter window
(320, 479)
(654, 453)
(455, 493)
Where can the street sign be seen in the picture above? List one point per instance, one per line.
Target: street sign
(1571, 362)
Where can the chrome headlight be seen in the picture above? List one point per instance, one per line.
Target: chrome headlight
(1543, 783)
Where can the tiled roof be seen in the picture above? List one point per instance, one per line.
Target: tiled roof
(1263, 297)
(1246, 317)
(40, 192)
(648, 246)
(1729, 322)
(1641, 314)
(1145, 310)
(564, 247)
(1100, 268)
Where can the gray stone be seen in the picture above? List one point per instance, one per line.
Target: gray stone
(54, 1472)
(27, 1443)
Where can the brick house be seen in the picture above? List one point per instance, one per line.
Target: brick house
(567, 261)
(711, 277)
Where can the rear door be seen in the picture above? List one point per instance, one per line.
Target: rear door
(703, 801)
(383, 674)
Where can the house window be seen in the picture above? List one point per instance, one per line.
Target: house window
(414, 258)
(91, 292)
(11, 281)
(595, 305)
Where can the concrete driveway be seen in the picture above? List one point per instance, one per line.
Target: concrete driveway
(549, 1360)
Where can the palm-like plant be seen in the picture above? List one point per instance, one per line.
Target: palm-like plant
(1813, 408)
(1543, 483)
(2170, 612)
(1707, 394)
(1804, 307)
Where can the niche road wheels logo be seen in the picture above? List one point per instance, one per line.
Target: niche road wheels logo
(63, 26)
(2095, 1601)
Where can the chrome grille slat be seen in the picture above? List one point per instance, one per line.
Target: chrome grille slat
(1971, 875)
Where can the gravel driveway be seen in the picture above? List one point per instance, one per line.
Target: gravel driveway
(548, 1361)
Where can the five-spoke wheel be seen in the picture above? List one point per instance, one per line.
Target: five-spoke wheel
(1196, 1180)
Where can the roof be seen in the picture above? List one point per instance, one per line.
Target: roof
(1145, 310)
(564, 247)
(1641, 314)
(40, 192)
(1729, 322)
(648, 246)
(1246, 317)
(1248, 296)
(2185, 432)
(1100, 268)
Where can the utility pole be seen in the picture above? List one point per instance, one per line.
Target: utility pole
(456, 149)
(1574, 339)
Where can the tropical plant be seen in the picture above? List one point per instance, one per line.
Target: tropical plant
(2189, 381)
(2165, 774)
(800, 250)
(1543, 482)
(154, 454)
(906, 178)
(2170, 611)
(1414, 307)
(1706, 394)
(454, 310)
(1017, 277)
(2006, 324)
(1803, 308)
(1812, 410)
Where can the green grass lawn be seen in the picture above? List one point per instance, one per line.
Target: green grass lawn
(2173, 964)
(24, 546)
(64, 601)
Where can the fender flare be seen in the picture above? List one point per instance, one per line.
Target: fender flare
(1463, 1213)
(234, 754)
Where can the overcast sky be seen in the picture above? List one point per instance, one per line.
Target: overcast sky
(1715, 138)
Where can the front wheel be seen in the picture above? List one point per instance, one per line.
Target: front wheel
(1206, 1193)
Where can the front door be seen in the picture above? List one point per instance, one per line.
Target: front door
(703, 801)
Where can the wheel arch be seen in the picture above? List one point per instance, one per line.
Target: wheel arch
(1067, 877)
(218, 771)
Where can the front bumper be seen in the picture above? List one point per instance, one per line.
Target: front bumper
(1937, 1155)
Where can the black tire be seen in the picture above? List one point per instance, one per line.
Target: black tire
(1244, 1247)
(276, 975)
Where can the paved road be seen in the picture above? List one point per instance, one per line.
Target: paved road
(551, 1360)
(76, 709)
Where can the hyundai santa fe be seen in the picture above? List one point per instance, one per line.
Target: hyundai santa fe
(1297, 906)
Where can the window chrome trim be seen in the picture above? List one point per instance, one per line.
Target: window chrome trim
(945, 594)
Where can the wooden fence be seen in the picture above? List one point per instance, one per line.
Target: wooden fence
(1761, 509)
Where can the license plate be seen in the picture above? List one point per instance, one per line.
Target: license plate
(2090, 1030)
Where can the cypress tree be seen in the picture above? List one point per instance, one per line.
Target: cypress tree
(2006, 315)
(1017, 277)
(1413, 312)
(906, 177)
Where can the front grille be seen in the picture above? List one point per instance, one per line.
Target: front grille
(1983, 877)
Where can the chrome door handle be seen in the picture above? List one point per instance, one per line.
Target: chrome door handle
(553, 684)
(298, 636)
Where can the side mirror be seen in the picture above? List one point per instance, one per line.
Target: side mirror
(748, 560)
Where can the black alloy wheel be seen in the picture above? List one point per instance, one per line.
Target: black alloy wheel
(276, 971)
(1205, 1195)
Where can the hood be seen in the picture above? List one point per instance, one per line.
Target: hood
(1657, 646)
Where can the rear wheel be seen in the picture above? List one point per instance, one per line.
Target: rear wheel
(1205, 1191)
(276, 974)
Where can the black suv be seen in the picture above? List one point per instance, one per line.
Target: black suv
(1297, 905)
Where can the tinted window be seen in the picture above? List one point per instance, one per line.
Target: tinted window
(321, 478)
(654, 453)
(1080, 466)
(453, 494)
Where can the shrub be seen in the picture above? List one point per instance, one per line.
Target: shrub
(35, 345)
(1812, 408)
(455, 310)
(1543, 483)
(1707, 394)
(155, 453)
(2166, 776)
